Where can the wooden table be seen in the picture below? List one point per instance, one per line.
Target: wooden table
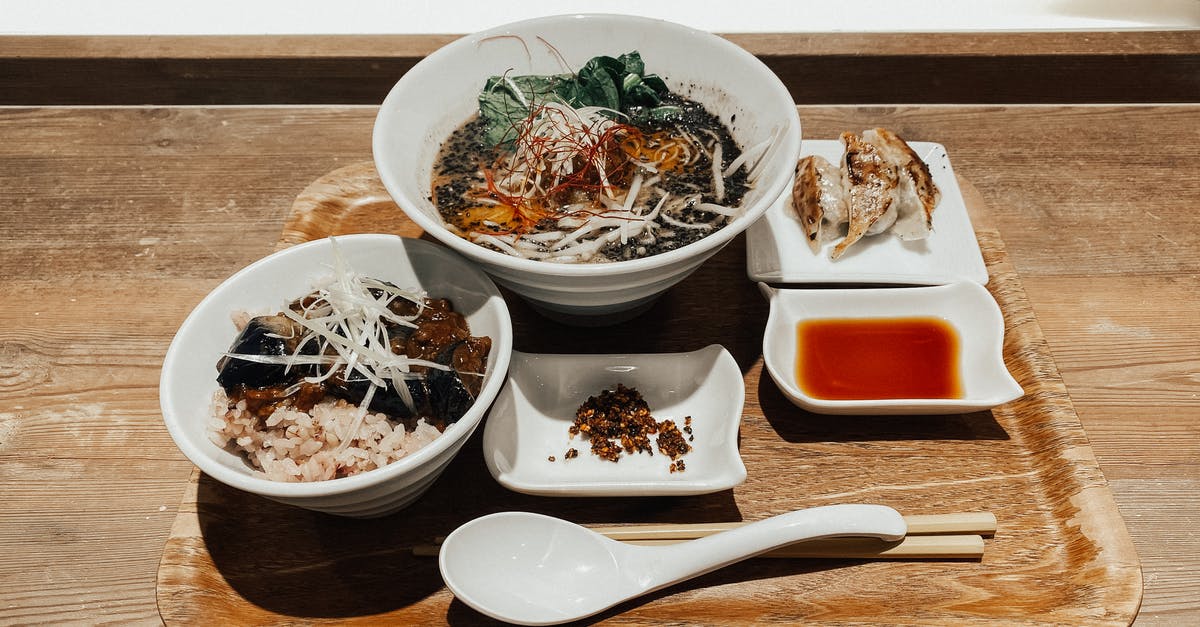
(114, 222)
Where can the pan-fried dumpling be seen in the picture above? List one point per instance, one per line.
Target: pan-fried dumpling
(916, 195)
(819, 199)
(880, 185)
(872, 186)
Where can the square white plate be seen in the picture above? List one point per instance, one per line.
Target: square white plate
(528, 423)
(778, 252)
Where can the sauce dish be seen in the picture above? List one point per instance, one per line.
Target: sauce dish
(965, 306)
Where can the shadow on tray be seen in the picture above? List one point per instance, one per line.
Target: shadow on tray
(716, 606)
(716, 304)
(797, 425)
(304, 564)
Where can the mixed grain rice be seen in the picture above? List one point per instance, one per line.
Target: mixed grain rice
(292, 445)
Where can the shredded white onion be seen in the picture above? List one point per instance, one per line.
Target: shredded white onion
(718, 179)
(685, 225)
(767, 150)
(345, 317)
(558, 134)
(547, 236)
(484, 238)
(718, 209)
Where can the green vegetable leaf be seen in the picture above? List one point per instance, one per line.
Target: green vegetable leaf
(617, 83)
(632, 62)
(599, 83)
(654, 82)
(504, 103)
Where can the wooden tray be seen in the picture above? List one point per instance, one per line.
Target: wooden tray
(1061, 555)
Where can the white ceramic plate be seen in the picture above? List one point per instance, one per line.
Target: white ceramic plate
(529, 421)
(778, 252)
(966, 306)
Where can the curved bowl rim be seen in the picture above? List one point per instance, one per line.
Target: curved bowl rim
(320, 489)
(984, 305)
(790, 142)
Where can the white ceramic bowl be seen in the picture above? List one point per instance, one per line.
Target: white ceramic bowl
(529, 421)
(189, 371)
(965, 305)
(440, 93)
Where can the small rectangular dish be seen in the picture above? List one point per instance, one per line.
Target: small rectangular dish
(778, 252)
(967, 307)
(526, 435)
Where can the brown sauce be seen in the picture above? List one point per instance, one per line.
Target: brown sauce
(878, 358)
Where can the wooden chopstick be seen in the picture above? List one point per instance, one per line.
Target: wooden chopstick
(969, 523)
(958, 546)
(911, 547)
(937, 536)
(981, 523)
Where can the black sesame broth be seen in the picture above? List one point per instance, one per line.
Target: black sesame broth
(459, 168)
(693, 207)
(694, 117)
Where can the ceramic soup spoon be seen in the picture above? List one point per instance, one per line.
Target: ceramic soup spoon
(532, 569)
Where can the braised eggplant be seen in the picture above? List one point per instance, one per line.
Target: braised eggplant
(275, 335)
(261, 367)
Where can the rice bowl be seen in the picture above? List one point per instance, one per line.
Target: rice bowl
(187, 386)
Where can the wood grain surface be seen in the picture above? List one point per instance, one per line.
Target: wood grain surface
(114, 223)
(1071, 66)
(1061, 547)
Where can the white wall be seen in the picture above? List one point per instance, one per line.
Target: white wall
(185, 17)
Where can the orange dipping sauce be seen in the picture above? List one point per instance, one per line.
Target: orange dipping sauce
(878, 358)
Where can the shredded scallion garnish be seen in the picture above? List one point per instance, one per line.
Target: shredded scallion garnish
(345, 321)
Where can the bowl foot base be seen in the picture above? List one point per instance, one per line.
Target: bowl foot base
(600, 318)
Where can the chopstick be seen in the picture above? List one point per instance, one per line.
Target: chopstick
(930, 536)
(911, 547)
(969, 523)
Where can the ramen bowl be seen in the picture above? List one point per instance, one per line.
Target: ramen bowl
(441, 92)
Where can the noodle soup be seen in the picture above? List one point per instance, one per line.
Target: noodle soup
(541, 173)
